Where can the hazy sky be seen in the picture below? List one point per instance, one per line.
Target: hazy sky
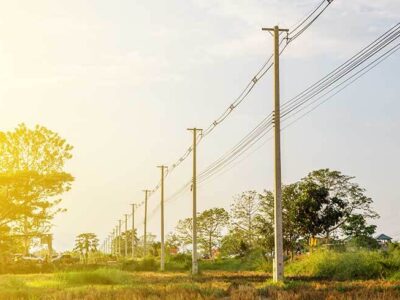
(122, 80)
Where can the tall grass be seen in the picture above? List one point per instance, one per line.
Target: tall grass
(340, 265)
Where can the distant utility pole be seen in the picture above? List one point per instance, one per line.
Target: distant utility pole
(195, 267)
(162, 263)
(133, 229)
(119, 236)
(113, 242)
(116, 240)
(126, 235)
(146, 194)
(278, 236)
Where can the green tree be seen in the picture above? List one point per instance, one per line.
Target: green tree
(359, 233)
(184, 232)
(126, 238)
(233, 244)
(291, 228)
(86, 243)
(316, 211)
(32, 176)
(244, 214)
(347, 196)
(211, 223)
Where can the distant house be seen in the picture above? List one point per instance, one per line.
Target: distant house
(383, 239)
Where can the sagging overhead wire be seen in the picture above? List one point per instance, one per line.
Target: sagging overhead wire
(297, 31)
(342, 71)
(350, 76)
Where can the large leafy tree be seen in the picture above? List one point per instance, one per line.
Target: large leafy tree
(211, 224)
(86, 243)
(347, 198)
(315, 210)
(32, 177)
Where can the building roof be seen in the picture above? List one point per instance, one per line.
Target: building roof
(383, 237)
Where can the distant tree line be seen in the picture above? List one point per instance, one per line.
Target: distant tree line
(325, 204)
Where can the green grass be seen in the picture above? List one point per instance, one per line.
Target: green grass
(117, 284)
(340, 265)
(105, 276)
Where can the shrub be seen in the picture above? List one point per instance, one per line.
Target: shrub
(145, 264)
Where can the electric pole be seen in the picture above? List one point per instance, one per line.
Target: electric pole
(133, 229)
(126, 235)
(195, 267)
(162, 266)
(113, 242)
(146, 193)
(119, 237)
(278, 236)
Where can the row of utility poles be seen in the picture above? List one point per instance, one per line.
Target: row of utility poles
(278, 250)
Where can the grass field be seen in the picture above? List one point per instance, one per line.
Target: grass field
(116, 284)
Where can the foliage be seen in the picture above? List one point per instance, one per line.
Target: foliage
(233, 244)
(356, 226)
(291, 228)
(348, 194)
(244, 213)
(86, 243)
(126, 239)
(32, 178)
(184, 231)
(345, 265)
(211, 223)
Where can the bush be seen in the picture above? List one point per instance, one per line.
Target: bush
(253, 261)
(179, 262)
(145, 264)
(339, 265)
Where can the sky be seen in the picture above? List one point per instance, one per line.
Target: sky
(121, 81)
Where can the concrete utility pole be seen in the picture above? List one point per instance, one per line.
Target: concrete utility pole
(146, 193)
(126, 235)
(119, 237)
(110, 241)
(113, 242)
(278, 249)
(195, 267)
(133, 229)
(162, 263)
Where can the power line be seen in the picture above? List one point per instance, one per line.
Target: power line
(257, 133)
(365, 70)
(343, 69)
(302, 27)
(219, 166)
